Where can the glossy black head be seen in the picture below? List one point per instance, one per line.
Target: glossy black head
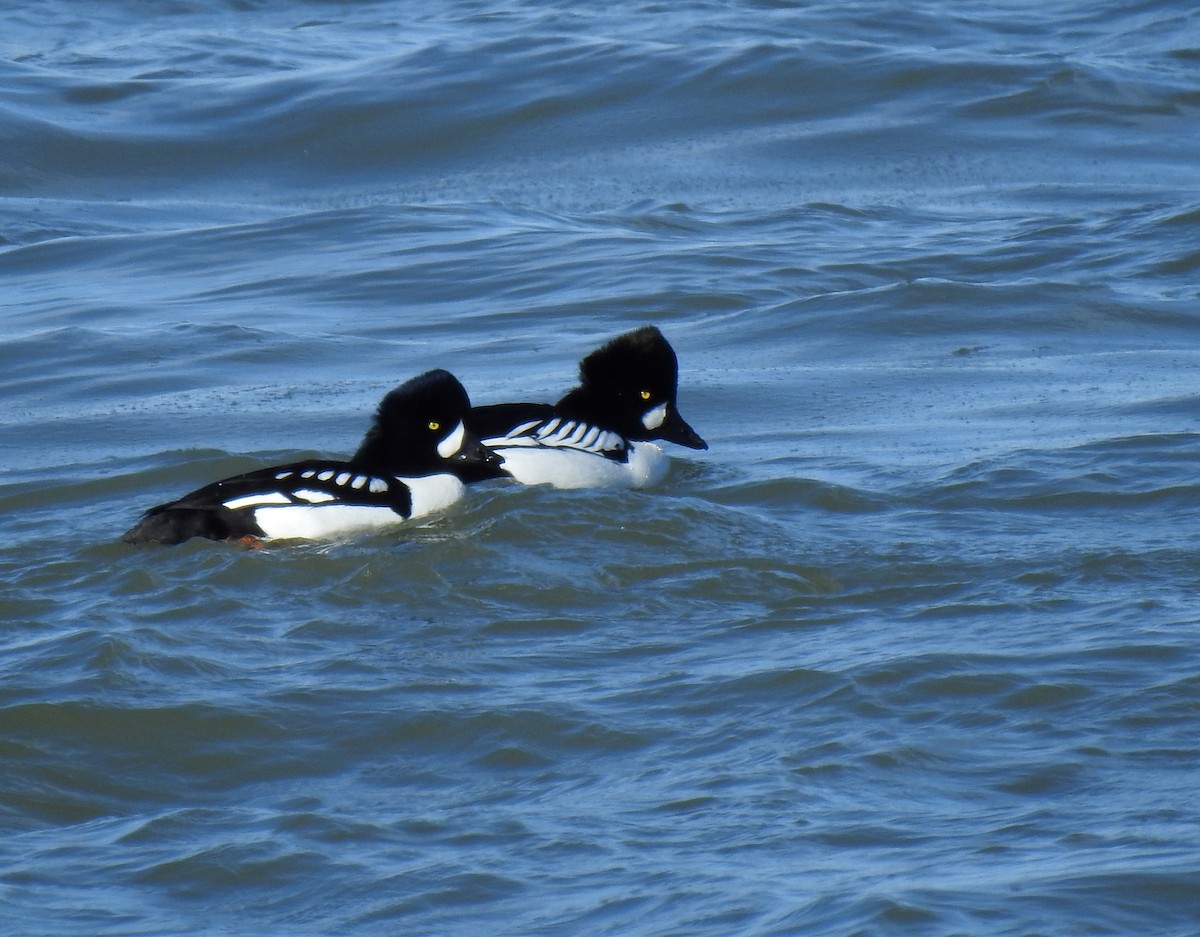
(419, 430)
(629, 385)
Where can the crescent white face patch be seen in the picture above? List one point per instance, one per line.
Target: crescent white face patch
(453, 442)
(653, 418)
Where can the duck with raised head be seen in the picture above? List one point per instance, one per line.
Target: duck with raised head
(411, 463)
(601, 433)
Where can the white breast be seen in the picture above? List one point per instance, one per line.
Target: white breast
(433, 493)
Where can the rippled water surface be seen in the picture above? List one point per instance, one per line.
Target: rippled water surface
(912, 648)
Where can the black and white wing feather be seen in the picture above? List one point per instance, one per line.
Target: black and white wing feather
(228, 509)
(538, 426)
(302, 483)
(562, 433)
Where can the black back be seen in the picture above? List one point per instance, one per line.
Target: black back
(498, 418)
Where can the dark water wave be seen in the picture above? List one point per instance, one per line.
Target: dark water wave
(1138, 472)
(428, 104)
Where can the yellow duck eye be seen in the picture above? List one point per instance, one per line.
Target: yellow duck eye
(435, 425)
(645, 395)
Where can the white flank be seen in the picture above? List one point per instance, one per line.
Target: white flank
(654, 417)
(325, 518)
(323, 521)
(264, 497)
(453, 442)
(575, 468)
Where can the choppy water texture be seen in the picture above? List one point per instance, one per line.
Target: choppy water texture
(911, 649)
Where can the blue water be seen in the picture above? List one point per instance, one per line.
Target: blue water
(912, 648)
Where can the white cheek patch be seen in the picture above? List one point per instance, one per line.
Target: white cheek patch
(653, 419)
(453, 442)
